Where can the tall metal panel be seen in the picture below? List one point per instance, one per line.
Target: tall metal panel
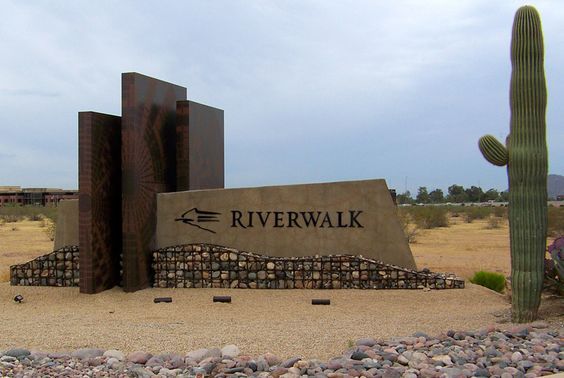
(199, 146)
(148, 167)
(99, 200)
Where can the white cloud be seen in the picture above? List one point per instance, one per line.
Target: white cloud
(297, 80)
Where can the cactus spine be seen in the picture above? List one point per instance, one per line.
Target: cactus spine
(527, 165)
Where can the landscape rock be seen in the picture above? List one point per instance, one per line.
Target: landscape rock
(290, 362)
(17, 352)
(230, 351)
(112, 353)
(139, 357)
(516, 357)
(155, 361)
(358, 355)
(87, 353)
(140, 372)
(198, 354)
(484, 353)
(272, 359)
(369, 342)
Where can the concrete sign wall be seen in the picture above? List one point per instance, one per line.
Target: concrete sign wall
(355, 217)
(66, 231)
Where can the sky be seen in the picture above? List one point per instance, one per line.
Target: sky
(313, 91)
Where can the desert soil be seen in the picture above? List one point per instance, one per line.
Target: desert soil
(464, 248)
(20, 242)
(279, 321)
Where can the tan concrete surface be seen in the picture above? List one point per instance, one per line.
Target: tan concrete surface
(354, 217)
(67, 224)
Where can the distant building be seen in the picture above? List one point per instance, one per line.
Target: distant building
(560, 197)
(15, 195)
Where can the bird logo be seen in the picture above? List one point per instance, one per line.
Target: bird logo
(195, 217)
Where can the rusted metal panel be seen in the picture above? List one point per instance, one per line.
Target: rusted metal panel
(199, 146)
(99, 200)
(148, 167)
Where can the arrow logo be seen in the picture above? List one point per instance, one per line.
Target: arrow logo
(194, 216)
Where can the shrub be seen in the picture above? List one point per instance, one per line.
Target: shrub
(11, 218)
(493, 222)
(500, 211)
(430, 216)
(473, 213)
(410, 229)
(19, 213)
(491, 280)
(50, 228)
(455, 211)
(36, 217)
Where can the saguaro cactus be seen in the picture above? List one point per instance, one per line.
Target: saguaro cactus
(525, 155)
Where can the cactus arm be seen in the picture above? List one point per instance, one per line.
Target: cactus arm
(493, 150)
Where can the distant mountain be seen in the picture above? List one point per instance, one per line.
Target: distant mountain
(555, 185)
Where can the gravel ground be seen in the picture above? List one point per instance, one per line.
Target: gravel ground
(282, 322)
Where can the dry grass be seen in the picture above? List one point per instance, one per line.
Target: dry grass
(28, 241)
(464, 248)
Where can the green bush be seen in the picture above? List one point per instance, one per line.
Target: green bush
(430, 216)
(491, 280)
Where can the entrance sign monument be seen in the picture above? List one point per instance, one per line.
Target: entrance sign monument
(152, 199)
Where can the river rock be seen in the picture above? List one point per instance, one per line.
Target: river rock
(198, 354)
(112, 353)
(369, 342)
(290, 362)
(17, 352)
(155, 361)
(87, 353)
(140, 372)
(230, 351)
(516, 357)
(358, 355)
(139, 357)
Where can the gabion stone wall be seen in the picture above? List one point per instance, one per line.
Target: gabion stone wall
(58, 268)
(203, 265)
